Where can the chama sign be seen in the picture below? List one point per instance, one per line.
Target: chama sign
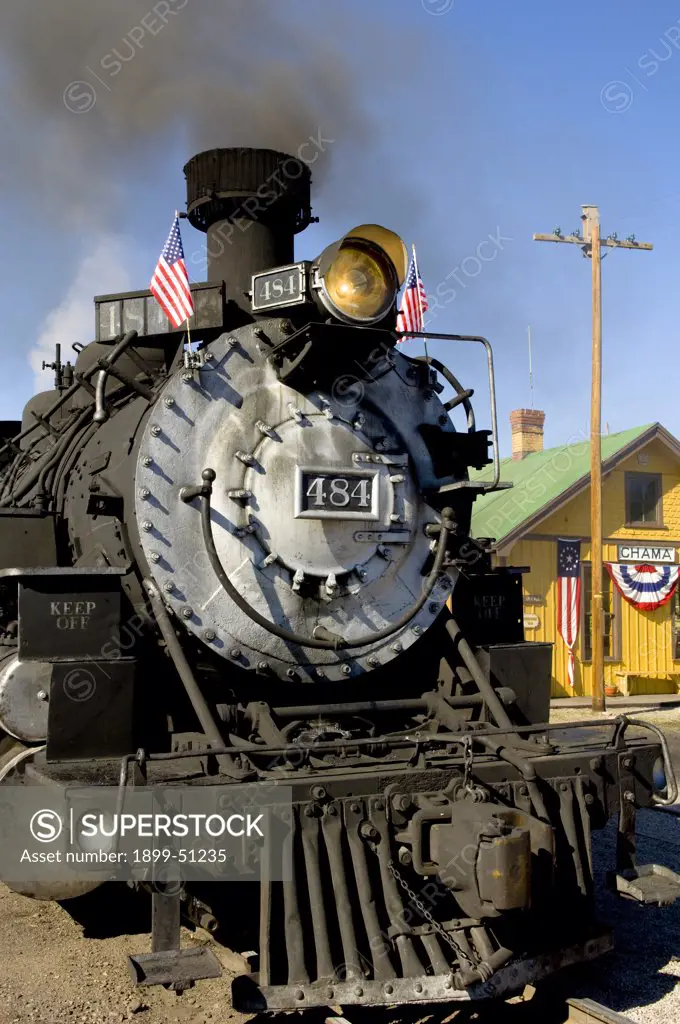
(647, 551)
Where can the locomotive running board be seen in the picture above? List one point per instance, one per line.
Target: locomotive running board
(248, 997)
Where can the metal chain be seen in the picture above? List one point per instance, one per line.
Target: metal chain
(420, 906)
(467, 763)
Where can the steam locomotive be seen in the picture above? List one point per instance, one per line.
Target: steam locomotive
(244, 556)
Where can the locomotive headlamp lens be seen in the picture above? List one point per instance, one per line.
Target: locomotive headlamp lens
(357, 278)
(359, 284)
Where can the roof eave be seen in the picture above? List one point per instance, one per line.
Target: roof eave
(654, 432)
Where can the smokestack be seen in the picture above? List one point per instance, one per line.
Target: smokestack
(250, 203)
(527, 431)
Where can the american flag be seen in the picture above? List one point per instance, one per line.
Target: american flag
(170, 282)
(568, 596)
(413, 301)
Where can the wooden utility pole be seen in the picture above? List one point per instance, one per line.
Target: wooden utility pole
(591, 244)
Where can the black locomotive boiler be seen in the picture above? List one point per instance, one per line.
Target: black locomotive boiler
(245, 557)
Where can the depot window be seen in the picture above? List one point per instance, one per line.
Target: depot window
(643, 499)
(611, 607)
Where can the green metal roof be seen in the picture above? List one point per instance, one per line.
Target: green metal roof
(539, 479)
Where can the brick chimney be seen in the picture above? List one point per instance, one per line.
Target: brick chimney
(527, 431)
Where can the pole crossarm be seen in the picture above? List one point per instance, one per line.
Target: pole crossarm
(611, 243)
(592, 243)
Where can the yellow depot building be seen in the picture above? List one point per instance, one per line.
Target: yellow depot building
(549, 500)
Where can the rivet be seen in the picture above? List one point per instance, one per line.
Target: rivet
(235, 652)
(244, 457)
(355, 807)
(332, 810)
(299, 994)
(262, 666)
(232, 342)
(208, 357)
(589, 798)
(154, 557)
(379, 805)
(291, 673)
(147, 526)
(417, 630)
(187, 612)
(358, 991)
(389, 989)
(627, 762)
(318, 792)
(147, 461)
(447, 983)
(418, 987)
(209, 635)
(144, 493)
(397, 648)
(169, 401)
(433, 607)
(297, 415)
(358, 421)
(564, 787)
(155, 430)
(264, 428)
(346, 670)
(187, 376)
(41, 695)
(169, 587)
(329, 993)
(373, 661)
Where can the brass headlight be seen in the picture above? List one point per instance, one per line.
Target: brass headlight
(357, 278)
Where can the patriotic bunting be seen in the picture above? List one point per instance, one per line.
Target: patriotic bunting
(645, 586)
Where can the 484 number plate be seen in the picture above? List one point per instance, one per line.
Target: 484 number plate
(336, 495)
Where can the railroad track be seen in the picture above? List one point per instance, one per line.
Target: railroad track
(554, 1010)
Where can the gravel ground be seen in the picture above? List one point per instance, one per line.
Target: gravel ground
(57, 968)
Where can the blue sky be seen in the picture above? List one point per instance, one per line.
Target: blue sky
(502, 119)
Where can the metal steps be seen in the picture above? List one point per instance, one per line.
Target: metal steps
(651, 884)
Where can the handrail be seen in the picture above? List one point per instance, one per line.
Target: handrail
(494, 486)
